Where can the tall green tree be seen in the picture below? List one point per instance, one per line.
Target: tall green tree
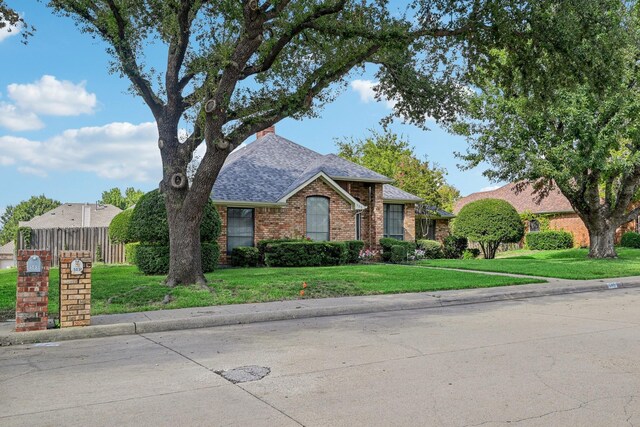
(392, 155)
(236, 67)
(115, 197)
(23, 211)
(571, 120)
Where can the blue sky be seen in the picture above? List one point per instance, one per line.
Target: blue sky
(70, 130)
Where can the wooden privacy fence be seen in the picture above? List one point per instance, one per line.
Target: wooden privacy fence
(74, 239)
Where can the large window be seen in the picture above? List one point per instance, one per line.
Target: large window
(394, 221)
(318, 218)
(239, 228)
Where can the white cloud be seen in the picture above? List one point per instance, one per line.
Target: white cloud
(366, 90)
(50, 96)
(490, 188)
(16, 120)
(8, 31)
(6, 161)
(28, 170)
(113, 151)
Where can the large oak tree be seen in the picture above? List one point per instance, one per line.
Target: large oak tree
(234, 67)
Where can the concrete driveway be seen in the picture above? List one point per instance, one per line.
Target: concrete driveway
(569, 360)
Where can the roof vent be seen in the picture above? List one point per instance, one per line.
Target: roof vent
(265, 132)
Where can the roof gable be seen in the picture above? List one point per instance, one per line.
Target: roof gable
(321, 175)
(70, 215)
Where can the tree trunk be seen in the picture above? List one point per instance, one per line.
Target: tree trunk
(602, 240)
(185, 252)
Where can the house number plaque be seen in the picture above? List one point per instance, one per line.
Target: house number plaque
(34, 264)
(77, 267)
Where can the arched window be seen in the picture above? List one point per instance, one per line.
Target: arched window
(318, 218)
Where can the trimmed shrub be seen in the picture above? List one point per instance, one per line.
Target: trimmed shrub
(353, 250)
(262, 245)
(305, 254)
(387, 243)
(154, 259)
(471, 253)
(119, 227)
(630, 239)
(245, 256)
(399, 254)
(432, 248)
(148, 222)
(550, 240)
(489, 222)
(130, 252)
(454, 246)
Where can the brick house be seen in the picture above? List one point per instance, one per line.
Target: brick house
(275, 188)
(555, 207)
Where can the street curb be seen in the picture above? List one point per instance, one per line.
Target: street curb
(432, 300)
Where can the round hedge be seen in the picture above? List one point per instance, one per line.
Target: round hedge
(489, 222)
(119, 227)
(630, 239)
(154, 259)
(149, 221)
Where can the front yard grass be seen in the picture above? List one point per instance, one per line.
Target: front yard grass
(562, 264)
(123, 289)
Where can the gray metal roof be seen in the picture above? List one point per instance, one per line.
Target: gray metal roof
(74, 215)
(389, 192)
(271, 167)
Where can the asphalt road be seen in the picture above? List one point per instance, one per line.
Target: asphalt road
(569, 360)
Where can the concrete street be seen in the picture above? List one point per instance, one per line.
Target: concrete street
(569, 360)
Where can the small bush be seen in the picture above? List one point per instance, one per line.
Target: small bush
(399, 254)
(99, 257)
(245, 256)
(387, 243)
(262, 245)
(432, 248)
(549, 240)
(154, 259)
(630, 239)
(130, 252)
(454, 246)
(353, 250)
(119, 227)
(305, 254)
(471, 253)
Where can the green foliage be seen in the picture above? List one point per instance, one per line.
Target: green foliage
(26, 233)
(154, 259)
(542, 219)
(148, 222)
(114, 197)
(353, 249)
(432, 248)
(387, 244)
(245, 256)
(630, 239)
(306, 254)
(99, 257)
(23, 211)
(549, 240)
(392, 156)
(262, 245)
(119, 227)
(471, 253)
(454, 246)
(489, 222)
(130, 252)
(398, 254)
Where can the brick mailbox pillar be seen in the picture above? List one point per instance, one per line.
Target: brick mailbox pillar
(32, 293)
(75, 288)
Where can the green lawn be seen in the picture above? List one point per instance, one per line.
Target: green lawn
(564, 264)
(121, 289)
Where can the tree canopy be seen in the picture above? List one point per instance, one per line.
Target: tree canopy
(557, 123)
(23, 211)
(12, 20)
(391, 155)
(115, 197)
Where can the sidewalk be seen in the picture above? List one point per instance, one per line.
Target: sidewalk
(205, 317)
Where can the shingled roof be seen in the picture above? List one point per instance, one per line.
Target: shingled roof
(74, 215)
(270, 168)
(524, 201)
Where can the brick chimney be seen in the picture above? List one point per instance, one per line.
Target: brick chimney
(267, 131)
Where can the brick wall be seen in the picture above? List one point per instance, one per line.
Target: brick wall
(75, 290)
(32, 292)
(442, 229)
(410, 222)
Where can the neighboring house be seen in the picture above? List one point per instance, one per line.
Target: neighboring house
(73, 226)
(555, 207)
(8, 255)
(432, 223)
(275, 188)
